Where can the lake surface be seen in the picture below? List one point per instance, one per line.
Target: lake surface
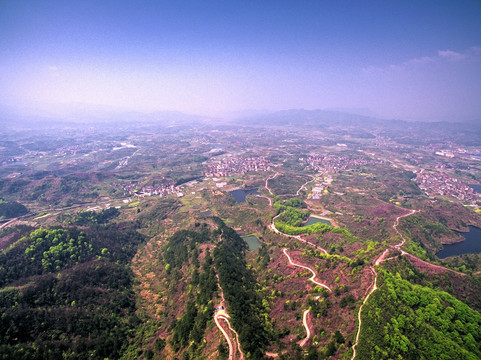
(314, 219)
(252, 241)
(476, 188)
(239, 195)
(472, 244)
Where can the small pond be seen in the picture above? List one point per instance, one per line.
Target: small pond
(314, 219)
(476, 188)
(471, 244)
(252, 241)
(239, 195)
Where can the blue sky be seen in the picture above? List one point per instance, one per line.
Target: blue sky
(414, 60)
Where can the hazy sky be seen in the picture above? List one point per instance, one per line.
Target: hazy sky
(415, 60)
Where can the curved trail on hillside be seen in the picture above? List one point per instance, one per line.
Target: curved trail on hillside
(302, 186)
(221, 313)
(236, 339)
(312, 278)
(8, 222)
(405, 253)
(268, 199)
(396, 223)
(267, 182)
(374, 287)
(272, 226)
(383, 257)
(308, 330)
(303, 342)
(218, 316)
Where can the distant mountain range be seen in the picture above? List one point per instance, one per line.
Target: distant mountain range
(320, 119)
(89, 115)
(332, 118)
(301, 117)
(362, 126)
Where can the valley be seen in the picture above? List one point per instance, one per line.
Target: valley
(338, 224)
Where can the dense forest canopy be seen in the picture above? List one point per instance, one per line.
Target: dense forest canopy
(68, 293)
(11, 209)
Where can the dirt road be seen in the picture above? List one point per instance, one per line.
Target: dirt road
(221, 313)
(302, 186)
(377, 262)
(312, 278)
(373, 288)
(303, 342)
(267, 182)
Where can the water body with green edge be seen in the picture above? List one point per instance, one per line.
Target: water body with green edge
(252, 242)
(470, 245)
(240, 195)
(315, 219)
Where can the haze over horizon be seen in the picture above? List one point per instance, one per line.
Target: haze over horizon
(412, 60)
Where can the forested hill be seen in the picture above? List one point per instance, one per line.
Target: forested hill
(406, 321)
(67, 292)
(11, 209)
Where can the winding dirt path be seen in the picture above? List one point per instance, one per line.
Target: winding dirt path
(221, 313)
(272, 226)
(411, 256)
(236, 339)
(396, 223)
(268, 199)
(383, 257)
(373, 288)
(267, 182)
(303, 342)
(306, 326)
(312, 278)
(377, 262)
(8, 223)
(302, 186)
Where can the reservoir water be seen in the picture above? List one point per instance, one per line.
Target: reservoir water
(252, 241)
(471, 244)
(239, 195)
(476, 188)
(315, 219)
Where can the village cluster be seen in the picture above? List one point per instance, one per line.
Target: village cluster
(442, 184)
(235, 165)
(333, 164)
(133, 188)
